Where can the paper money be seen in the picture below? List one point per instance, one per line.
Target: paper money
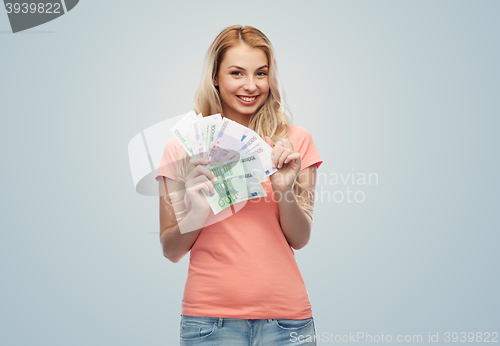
(234, 189)
(238, 156)
(231, 135)
(210, 127)
(196, 138)
(248, 164)
(182, 131)
(264, 151)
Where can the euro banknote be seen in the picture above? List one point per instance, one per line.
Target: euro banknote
(237, 155)
(234, 189)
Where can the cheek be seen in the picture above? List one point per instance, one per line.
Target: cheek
(229, 87)
(266, 90)
(265, 87)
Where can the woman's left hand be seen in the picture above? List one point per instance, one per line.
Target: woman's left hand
(288, 164)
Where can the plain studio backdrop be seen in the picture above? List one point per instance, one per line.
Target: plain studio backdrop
(404, 92)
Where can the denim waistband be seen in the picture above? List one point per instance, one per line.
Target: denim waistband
(219, 320)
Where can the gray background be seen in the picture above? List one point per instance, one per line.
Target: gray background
(404, 89)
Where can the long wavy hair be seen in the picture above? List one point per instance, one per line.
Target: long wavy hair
(269, 120)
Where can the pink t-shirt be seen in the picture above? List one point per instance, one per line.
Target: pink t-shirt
(243, 266)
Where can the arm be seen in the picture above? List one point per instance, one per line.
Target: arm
(295, 222)
(180, 229)
(175, 245)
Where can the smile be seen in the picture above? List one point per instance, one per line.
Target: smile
(248, 100)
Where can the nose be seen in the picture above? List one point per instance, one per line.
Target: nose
(250, 85)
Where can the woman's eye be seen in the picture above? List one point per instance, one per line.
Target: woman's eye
(236, 73)
(261, 73)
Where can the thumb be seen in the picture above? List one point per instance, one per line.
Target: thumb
(269, 141)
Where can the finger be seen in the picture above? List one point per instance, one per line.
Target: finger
(193, 163)
(201, 170)
(210, 187)
(276, 154)
(278, 148)
(203, 180)
(206, 172)
(291, 157)
(197, 180)
(283, 157)
(201, 185)
(199, 161)
(197, 188)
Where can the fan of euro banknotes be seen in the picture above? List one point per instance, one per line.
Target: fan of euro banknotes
(238, 157)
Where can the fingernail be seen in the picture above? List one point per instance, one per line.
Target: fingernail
(211, 195)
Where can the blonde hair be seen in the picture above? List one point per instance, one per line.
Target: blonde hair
(270, 119)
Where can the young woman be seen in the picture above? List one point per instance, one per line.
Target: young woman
(244, 286)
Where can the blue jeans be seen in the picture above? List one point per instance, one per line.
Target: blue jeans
(214, 331)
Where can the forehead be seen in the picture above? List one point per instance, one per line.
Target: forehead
(244, 56)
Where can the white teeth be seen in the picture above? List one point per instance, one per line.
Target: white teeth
(248, 99)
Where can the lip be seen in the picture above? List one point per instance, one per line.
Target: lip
(245, 102)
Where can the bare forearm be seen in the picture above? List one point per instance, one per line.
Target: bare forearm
(175, 244)
(295, 222)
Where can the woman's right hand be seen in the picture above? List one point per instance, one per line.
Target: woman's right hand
(199, 179)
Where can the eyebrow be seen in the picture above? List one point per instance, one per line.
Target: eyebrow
(241, 68)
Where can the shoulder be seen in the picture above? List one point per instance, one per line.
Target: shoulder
(173, 148)
(173, 143)
(298, 135)
(172, 154)
(302, 142)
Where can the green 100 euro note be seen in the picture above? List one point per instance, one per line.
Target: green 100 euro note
(250, 163)
(230, 190)
(237, 180)
(238, 157)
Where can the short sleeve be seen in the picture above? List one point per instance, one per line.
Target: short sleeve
(303, 143)
(172, 153)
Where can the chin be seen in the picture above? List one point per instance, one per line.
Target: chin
(247, 111)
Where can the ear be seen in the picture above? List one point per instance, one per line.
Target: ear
(215, 82)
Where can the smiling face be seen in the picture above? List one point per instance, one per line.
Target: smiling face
(243, 82)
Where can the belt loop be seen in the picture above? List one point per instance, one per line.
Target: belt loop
(219, 324)
(269, 320)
